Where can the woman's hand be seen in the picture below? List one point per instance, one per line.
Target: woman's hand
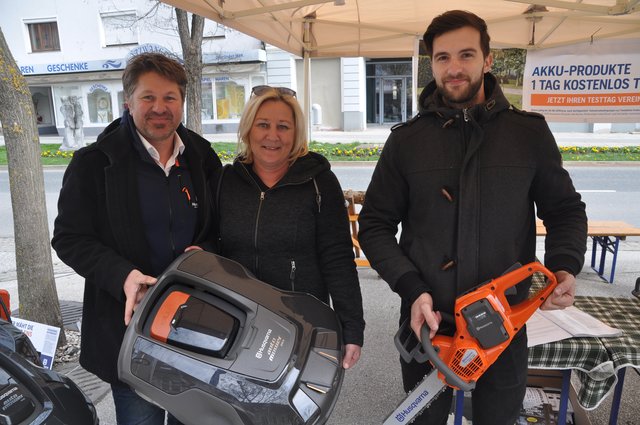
(351, 355)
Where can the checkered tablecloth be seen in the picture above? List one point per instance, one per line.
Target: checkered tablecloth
(596, 360)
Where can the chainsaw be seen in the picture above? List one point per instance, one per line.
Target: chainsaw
(485, 325)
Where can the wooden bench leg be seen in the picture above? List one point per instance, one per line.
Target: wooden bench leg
(606, 244)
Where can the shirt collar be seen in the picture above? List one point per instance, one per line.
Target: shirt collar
(178, 149)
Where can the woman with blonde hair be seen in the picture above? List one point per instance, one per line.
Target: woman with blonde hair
(282, 212)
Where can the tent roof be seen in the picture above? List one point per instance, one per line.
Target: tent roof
(390, 28)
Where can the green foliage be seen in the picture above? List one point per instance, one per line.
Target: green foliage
(356, 151)
(508, 65)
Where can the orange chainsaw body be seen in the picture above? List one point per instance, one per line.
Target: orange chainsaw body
(486, 323)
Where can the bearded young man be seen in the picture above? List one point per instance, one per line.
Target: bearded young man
(465, 179)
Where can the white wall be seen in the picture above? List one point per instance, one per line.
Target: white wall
(353, 94)
(325, 90)
(81, 35)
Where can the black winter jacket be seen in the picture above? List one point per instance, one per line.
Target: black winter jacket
(99, 231)
(465, 186)
(295, 235)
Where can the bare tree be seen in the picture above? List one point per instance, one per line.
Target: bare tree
(191, 40)
(36, 283)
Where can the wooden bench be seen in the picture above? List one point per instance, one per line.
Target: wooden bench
(354, 200)
(606, 236)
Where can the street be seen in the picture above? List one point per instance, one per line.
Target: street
(611, 192)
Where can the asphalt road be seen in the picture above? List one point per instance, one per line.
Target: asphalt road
(611, 192)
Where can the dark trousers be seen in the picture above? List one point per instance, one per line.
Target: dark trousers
(497, 398)
(131, 409)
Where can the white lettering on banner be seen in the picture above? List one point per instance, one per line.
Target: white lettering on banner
(572, 83)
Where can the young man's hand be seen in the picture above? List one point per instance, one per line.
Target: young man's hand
(564, 294)
(422, 311)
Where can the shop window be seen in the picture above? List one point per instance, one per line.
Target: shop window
(229, 99)
(121, 102)
(44, 36)
(100, 110)
(119, 28)
(42, 105)
(207, 100)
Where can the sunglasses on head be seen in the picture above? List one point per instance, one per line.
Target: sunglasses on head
(282, 91)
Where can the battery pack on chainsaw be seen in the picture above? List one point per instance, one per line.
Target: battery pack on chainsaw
(213, 345)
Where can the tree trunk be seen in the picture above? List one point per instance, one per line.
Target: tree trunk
(36, 284)
(192, 54)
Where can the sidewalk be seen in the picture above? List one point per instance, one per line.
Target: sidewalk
(379, 134)
(368, 391)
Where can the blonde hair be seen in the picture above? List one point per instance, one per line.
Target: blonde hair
(300, 146)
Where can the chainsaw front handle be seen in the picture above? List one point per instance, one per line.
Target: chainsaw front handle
(450, 376)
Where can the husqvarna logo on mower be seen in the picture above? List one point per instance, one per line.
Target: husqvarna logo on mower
(265, 341)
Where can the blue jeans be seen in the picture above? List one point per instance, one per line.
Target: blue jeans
(131, 409)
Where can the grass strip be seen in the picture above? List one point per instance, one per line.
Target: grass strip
(356, 151)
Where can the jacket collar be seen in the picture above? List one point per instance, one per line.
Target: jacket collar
(431, 102)
(303, 169)
(127, 138)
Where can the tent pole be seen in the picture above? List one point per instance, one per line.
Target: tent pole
(415, 61)
(307, 77)
(307, 91)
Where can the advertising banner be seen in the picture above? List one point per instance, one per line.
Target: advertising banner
(43, 337)
(587, 82)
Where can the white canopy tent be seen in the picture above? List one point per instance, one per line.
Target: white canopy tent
(393, 28)
(390, 28)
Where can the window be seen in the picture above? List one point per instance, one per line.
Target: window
(213, 30)
(229, 99)
(100, 110)
(207, 99)
(121, 103)
(119, 28)
(44, 36)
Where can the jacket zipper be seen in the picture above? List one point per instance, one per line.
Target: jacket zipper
(292, 275)
(255, 232)
(171, 241)
(465, 114)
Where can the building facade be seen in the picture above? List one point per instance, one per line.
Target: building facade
(72, 54)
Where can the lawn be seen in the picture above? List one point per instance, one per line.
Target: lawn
(356, 151)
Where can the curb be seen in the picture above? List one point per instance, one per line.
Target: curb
(93, 387)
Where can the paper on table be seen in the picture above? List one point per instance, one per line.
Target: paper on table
(546, 326)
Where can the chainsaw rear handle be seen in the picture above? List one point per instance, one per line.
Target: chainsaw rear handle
(450, 376)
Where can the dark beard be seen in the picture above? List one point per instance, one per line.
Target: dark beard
(464, 100)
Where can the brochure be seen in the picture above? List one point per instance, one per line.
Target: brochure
(546, 326)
